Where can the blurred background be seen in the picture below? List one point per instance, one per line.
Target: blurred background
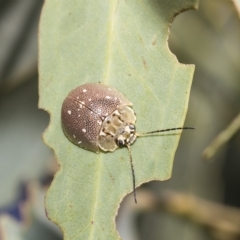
(202, 199)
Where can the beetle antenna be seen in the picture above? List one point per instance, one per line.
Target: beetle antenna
(164, 130)
(133, 174)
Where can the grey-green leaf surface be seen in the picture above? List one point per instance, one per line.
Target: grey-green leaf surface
(122, 44)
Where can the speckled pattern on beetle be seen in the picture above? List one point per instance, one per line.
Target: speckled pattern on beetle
(95, 116)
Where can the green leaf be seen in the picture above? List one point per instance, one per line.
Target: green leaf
(122, 44)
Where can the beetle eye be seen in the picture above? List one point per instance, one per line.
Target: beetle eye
(131, 126)
(120, 142)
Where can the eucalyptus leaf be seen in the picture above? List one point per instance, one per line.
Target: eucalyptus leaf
(122, 44)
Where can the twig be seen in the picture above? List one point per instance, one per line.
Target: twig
(222, 138)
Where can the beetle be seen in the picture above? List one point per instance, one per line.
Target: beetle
(99, 118)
